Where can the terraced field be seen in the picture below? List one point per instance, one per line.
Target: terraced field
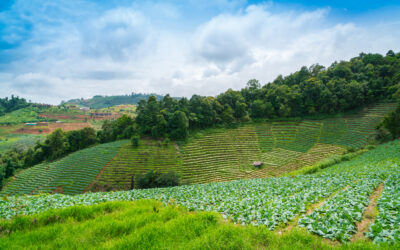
(331, 203)
(70, 175)
(131, 161)
(224, 154)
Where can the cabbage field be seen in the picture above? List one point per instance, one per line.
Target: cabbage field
(274, 202)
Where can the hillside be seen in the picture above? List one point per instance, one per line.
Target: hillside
(70, 175)
(210, 156)
(339, 203)
(99, 102)
(124, 225)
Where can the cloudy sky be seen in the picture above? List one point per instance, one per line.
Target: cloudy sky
(53, 50)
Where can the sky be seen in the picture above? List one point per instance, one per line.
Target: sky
(54, 50)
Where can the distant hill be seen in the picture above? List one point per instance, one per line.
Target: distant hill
(98, 101)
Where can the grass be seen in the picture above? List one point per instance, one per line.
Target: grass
(22, 141)
(29, 114)
(326, 163)
(147, 224)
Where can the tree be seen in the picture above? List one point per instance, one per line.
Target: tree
(57, 144)
(135, 141)
(179, 126)
(392, 123)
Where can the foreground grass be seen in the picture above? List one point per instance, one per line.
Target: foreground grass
(147, 224)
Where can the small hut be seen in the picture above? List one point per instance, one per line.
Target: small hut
(257, 164)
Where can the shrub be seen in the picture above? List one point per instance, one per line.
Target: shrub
(153, 179)
(135, 141)
(166, 141)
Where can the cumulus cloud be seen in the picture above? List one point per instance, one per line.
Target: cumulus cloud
(121, 49)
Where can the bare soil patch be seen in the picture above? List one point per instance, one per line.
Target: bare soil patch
(49, 128)
(369, 214)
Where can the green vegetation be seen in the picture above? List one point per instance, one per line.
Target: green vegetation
(70, 175)
(386, 227)
(131, 161)
(20, 142)
(100, 102)
(314, 91)
(216, 155)
(54, 146)
(24, 115)
(154, 179)
(147, 225)
(8, 105)
(271, 203)
(123, 109)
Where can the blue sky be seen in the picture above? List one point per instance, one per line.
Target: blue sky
(53, 50)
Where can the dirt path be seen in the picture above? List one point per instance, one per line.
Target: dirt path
(369, 214)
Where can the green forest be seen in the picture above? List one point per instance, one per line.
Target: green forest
(314, 91)
(99, 102)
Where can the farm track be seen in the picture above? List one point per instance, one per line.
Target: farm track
(293, 223)
(369, 214)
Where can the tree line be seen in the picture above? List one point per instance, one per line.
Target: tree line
(312, 91)
(8, 105)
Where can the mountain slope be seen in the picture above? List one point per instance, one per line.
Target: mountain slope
(99, 102)
(210, 156)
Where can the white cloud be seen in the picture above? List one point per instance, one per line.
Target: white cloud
(127, 49)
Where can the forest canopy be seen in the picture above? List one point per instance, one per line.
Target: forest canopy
(311, 91)
(8, 105)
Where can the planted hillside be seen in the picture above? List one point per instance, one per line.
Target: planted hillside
(131, 161)
(228, 154)
(272, 202)
(70, 175)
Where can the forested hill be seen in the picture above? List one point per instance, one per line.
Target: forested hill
(313, 91)
(98, 101)
(10, 104)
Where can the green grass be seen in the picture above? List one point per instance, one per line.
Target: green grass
(22, 141)
(147, 224)
(29, 114)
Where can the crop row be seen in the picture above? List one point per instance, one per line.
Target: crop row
(386, 227)
(337, 217)
(70, 175)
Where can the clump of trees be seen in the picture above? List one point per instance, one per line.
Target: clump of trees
(389, 128)
(11, 104)
(56, 145)
(153, 179)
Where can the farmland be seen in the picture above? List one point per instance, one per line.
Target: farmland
(70, 175)
(273, 203)
(47, 128)
(227, 154)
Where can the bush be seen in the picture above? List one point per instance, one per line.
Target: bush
(135, 141)
(154, 179)
(166, 141)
